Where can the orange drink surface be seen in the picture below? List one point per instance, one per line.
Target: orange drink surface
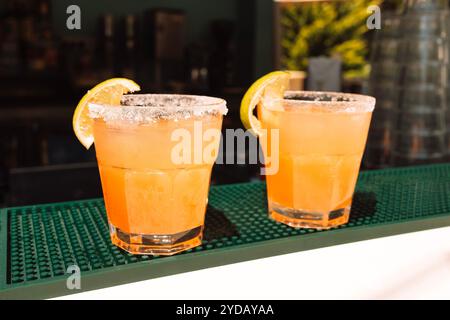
(320, 147)
(155, 203)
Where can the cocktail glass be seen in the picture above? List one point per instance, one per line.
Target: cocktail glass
(322, 136)
(155, 154)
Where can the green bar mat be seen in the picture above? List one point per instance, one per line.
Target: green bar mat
(38, 243)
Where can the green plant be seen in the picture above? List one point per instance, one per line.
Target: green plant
(335, 28)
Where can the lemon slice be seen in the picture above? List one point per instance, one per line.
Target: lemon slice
(271, 86)
(107, 92)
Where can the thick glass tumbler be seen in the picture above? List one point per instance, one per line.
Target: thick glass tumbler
(321, 140)
(155, 154)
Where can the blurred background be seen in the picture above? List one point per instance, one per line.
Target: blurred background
(213, 48)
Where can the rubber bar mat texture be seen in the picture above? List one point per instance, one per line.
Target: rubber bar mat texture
(39, 243)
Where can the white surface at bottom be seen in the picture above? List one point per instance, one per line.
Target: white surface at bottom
(408, 266)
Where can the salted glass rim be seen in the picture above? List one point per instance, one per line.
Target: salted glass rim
(154, 106)
(202, 101)
(345, 102)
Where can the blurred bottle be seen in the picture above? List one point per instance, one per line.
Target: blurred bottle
(197, 65)
(129, 51)
(10, 47)
(222, 62)
(106, 42)
(41, 48)
(47, 37)
(383, 83)
(409, 78)
(419, 135)
(165, 42)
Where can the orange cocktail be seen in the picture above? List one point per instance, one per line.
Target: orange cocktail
(155, 168)
(321, 141)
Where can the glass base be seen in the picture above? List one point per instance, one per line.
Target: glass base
(156, 244)
(303, 219)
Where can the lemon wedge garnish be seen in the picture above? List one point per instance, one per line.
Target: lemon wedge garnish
(271, 86)
(108, 92)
